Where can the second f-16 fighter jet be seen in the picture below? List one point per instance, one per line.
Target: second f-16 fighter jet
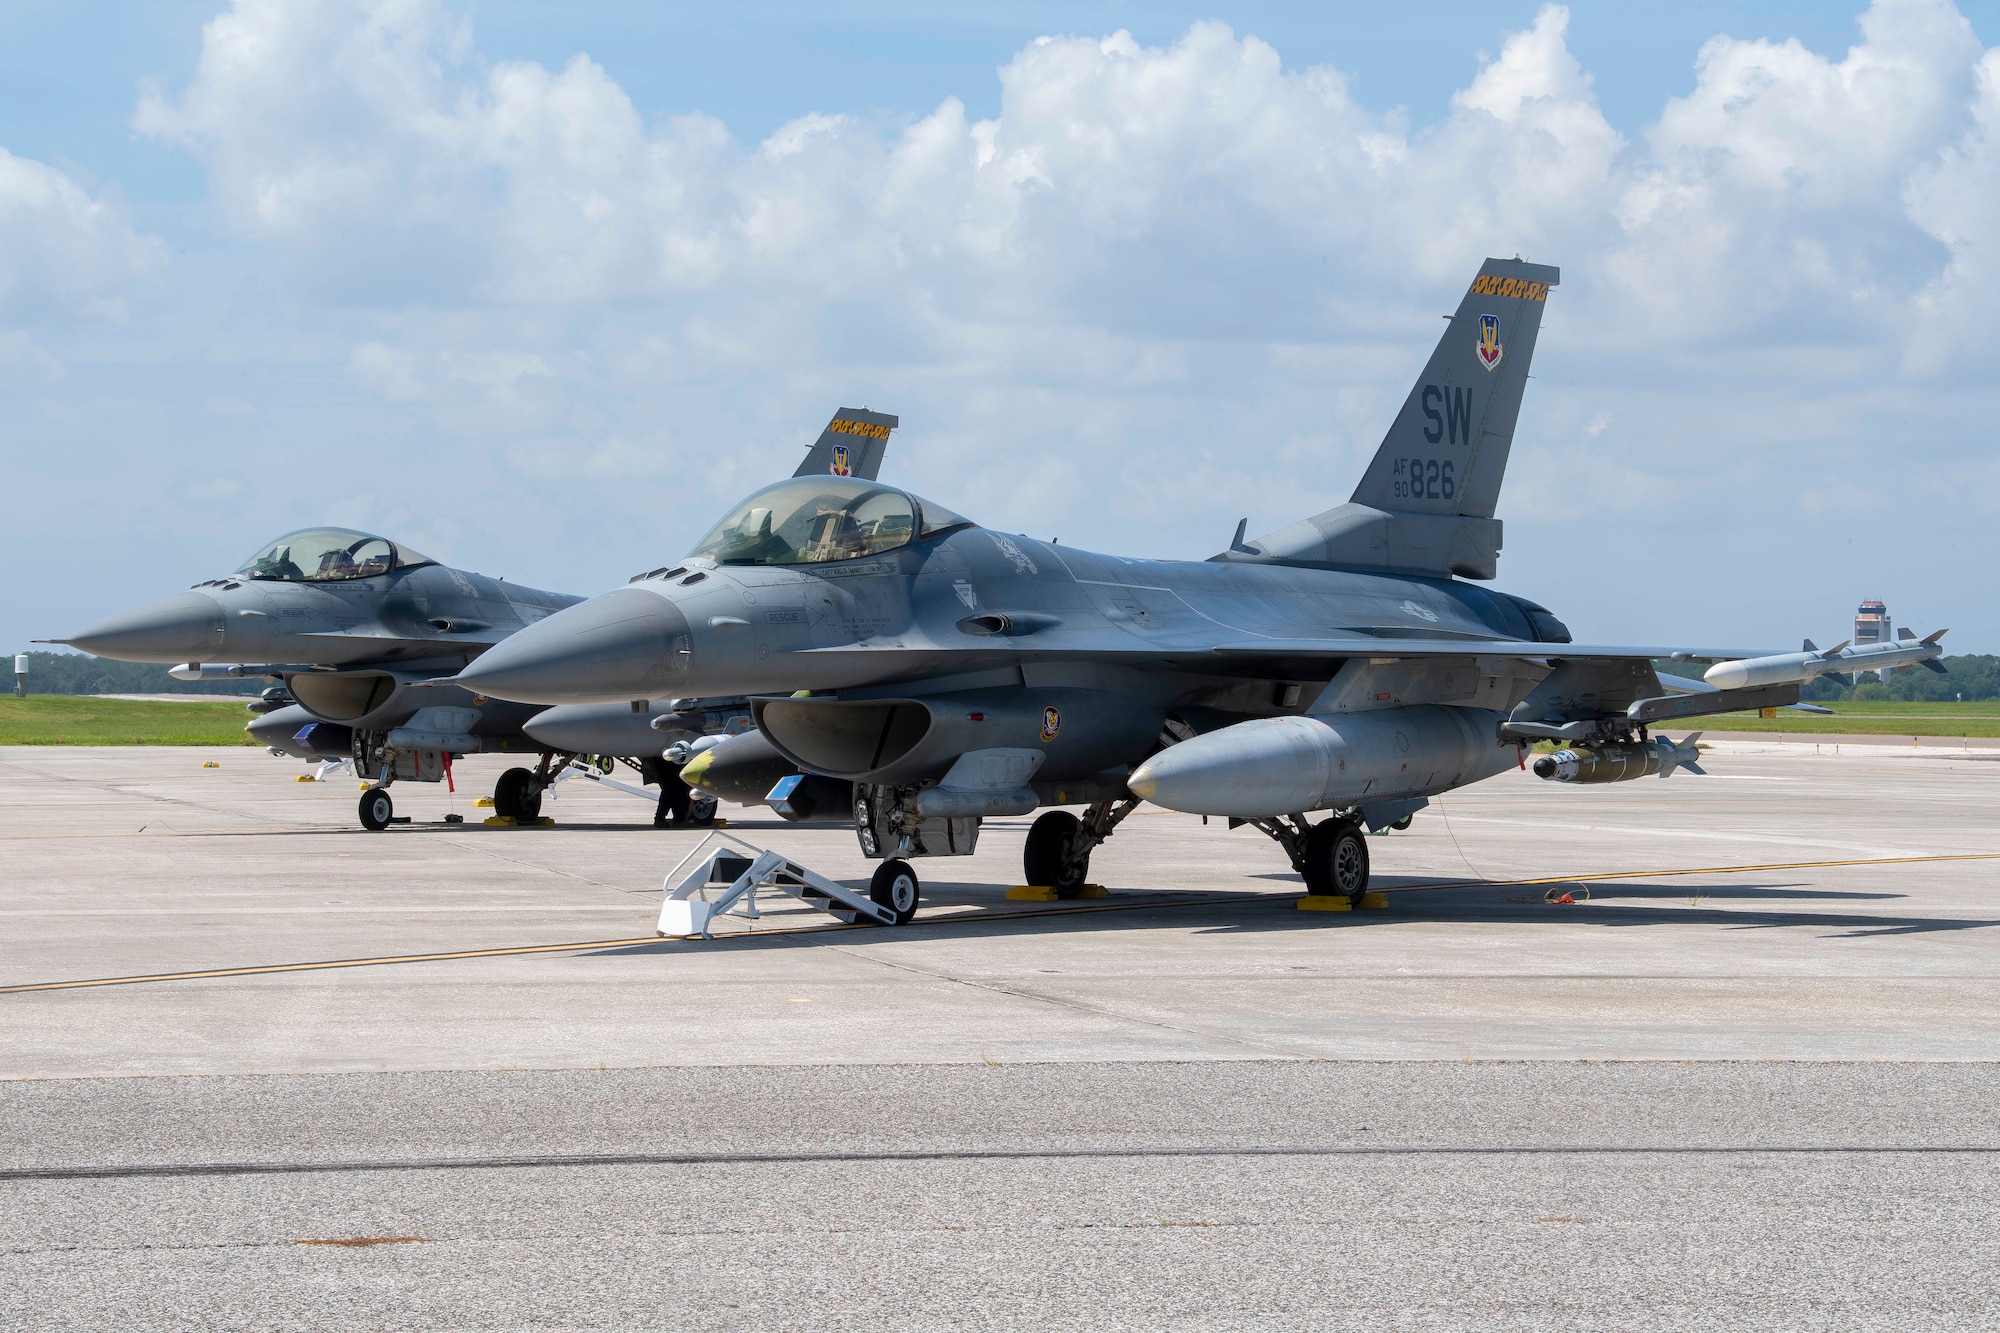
(1350, 663)
(358, 629)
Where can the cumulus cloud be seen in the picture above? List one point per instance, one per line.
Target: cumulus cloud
(63, 250)
(1156, 271)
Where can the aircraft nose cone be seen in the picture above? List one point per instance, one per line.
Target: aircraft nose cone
(621, 645)
(179, 629)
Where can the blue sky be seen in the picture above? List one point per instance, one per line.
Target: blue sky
(410, 265)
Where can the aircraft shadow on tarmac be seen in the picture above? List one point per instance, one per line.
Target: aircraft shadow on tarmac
(1225, 913)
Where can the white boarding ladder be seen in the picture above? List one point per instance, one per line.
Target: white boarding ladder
(726, 880)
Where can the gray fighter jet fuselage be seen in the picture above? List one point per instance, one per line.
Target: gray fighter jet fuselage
(361, 630)
(949, 672)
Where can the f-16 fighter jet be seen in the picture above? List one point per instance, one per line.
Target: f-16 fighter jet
(1350, 663)
(357, 628)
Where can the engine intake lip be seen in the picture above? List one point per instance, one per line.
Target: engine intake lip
(859, 739)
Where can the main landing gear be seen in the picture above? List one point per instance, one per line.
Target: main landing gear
(1057, 854)
(518, 796)
(1331, 855)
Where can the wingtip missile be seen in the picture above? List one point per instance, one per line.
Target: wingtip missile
(1845, 658)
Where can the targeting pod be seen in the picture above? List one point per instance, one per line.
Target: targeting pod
(1620, 761)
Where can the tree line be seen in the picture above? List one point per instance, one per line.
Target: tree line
(78, 673)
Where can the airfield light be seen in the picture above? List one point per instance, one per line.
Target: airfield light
(20, 675)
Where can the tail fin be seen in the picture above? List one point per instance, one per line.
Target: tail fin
(1426, 502)
(852, 445)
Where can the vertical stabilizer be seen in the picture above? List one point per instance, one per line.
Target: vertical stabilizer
(852, 445)
(1426, 502)
(1447, 450)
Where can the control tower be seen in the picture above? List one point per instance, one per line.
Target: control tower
(1871, 625)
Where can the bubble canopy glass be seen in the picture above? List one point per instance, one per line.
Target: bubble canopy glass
(328, 555)
(813, 520)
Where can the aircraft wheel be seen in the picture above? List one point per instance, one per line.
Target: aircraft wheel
(517, 795)
(507, 793)
(895, 887)
(1045, 856)
(1403, 823)
(1336, 861)
(701, 810)
(376, 809)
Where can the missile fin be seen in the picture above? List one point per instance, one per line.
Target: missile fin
(1933, 638)
(1932, 664)
(1809, 647)
(1905, 634)
(1837, 649)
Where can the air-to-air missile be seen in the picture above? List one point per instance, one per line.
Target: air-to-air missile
(1841, 659)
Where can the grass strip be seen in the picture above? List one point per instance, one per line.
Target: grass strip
(73, 719)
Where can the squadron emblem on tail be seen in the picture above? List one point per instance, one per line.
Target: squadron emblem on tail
(1489, 341)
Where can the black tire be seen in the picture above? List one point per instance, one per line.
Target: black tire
(517, 796)
(1042, 858)
(1336, 861)
(1402, 823)
(895, 887)
(507, 793)
(377, 809)
(701, 810)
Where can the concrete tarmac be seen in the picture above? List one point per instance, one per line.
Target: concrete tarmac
(1743, 1079)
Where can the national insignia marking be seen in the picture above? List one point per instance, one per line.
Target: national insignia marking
(1051, 723)
(1489, 341)
(841, 466)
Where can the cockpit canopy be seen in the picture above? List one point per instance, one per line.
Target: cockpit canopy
(328, 555)
(812, 520)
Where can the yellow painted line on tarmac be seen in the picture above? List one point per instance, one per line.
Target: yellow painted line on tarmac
(387, 959)
(1696, 870)
(1205, 900)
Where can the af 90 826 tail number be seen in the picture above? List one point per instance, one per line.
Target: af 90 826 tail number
(1425, 479)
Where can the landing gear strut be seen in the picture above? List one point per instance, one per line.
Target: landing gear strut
(1057, 854)
(1332, 855)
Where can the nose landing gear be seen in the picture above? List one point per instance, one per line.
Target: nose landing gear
(377, 809)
